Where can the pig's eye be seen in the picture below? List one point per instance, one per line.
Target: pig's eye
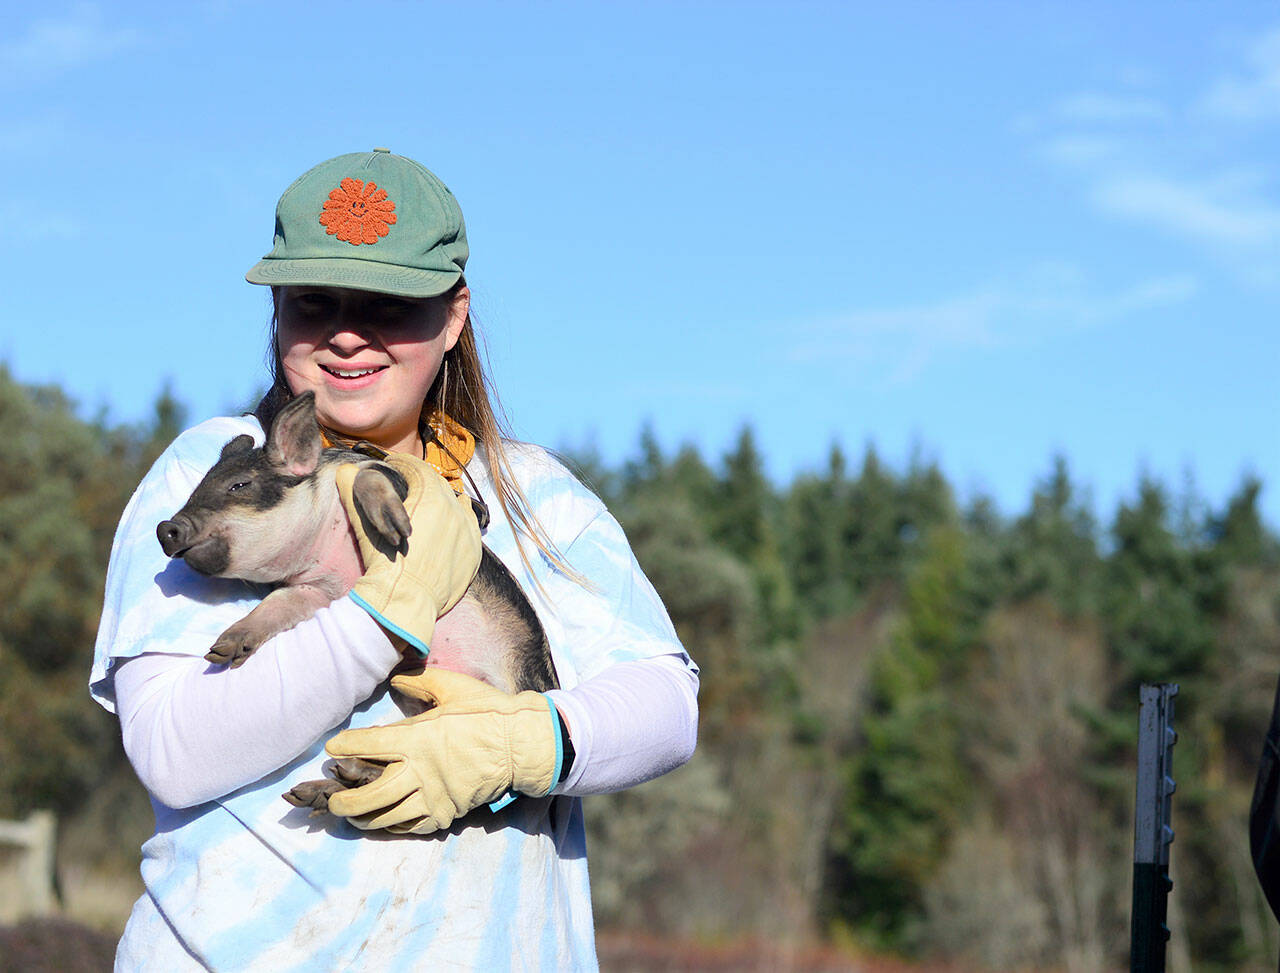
(238, 486)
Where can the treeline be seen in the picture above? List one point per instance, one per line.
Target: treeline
(918, 717)
(64, 482)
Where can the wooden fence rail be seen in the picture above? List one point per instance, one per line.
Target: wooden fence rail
(26, 867)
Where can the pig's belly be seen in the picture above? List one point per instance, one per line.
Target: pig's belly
(466, 641)
(449, 655)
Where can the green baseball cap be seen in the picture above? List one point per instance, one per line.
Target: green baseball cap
(370, 221)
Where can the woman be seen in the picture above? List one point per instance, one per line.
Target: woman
(372, 315)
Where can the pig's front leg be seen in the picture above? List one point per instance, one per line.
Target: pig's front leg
(278, 612)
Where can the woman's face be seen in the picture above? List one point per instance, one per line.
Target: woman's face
(370, 358)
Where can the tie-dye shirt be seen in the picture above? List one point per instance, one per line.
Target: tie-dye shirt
(246, 882)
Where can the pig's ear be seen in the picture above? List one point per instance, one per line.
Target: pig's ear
(241, 444)
(294, 441)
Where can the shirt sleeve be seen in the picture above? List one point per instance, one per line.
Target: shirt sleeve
(630, 696)
(633, 722)
(616, 615)
(195, 732)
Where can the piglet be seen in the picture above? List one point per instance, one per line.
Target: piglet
(272, 515)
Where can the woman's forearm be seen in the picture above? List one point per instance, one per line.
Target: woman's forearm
(195, 732)
(632, 722)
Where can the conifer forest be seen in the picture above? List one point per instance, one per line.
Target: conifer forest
(918, 715)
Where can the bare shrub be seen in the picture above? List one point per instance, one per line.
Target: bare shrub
(1056, 850)
(641, 841)
(982, 905)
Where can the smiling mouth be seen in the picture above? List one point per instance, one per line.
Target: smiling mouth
(351, 372)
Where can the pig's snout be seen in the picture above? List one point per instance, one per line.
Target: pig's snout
(175, 536)
(207, 554)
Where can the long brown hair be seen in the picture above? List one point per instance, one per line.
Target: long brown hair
(463, 392)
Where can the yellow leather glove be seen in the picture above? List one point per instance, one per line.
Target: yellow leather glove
(477, 744)
(428, 576)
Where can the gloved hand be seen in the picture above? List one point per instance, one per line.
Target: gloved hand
(477, 744)
(407, 595)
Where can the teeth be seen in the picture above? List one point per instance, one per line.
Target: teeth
(348, 373)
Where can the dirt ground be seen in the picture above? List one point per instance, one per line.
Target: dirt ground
(623, 952)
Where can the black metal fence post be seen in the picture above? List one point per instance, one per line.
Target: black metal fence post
(1149, 931)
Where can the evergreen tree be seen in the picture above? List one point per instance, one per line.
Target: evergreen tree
(648, 467)
(1238, 535)
(907, 785)
(1052, 549)
(689, 476)
(1162, 594)
(744, 522)
(743, 512)
(818, 534)
(62, 489)
(874, 526)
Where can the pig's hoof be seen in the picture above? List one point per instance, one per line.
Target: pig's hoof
(381, 508)
(355, 771)
(347, 772)
(232, 648)
(314, 794)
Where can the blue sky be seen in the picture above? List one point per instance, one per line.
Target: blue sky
(985, 232)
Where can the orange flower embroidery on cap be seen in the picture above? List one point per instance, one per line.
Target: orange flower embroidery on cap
(358, 212)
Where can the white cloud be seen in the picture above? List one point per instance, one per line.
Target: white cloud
(1103, 107)
(1138, 76)
(55, 44)
(52, 224)
(697, 389)
(1082, 150)
(21, 136)
(961, 320)
(1254, 95)
(1052, 299)
(1178, 167)
(1198, 211)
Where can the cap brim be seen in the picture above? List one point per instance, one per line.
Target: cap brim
(363, 275)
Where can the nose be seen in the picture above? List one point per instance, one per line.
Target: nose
(173, 537)
(350, 330)
(348, 338)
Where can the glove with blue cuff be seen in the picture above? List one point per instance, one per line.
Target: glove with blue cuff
(429, 573)
(475, 745)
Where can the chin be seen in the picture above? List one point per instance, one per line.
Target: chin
(356, 430)
(369, 428)
(369, 420)
(347, 424)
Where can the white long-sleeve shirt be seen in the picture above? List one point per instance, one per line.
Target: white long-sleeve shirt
(195, 732)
